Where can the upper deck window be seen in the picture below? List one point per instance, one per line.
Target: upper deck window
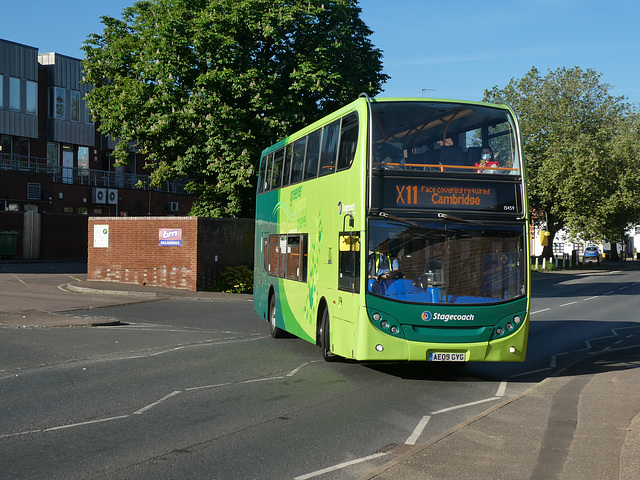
(443, 137)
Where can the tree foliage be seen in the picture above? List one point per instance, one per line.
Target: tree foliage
(582, 147)
(202, 86)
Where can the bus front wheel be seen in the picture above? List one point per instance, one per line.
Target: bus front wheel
(325, 338)
(276, 332)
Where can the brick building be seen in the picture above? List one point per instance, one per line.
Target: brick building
(53, 161)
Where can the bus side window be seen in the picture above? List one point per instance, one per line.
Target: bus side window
(266, 173)
(297, 164)
(272, 267)
(265, 253)
(329, 147)
(286, 169)
(293, 257)
(348, 141)
(313, 152)
(276, 175)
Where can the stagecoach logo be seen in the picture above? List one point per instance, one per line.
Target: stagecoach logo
(342, 208)
(427, 315)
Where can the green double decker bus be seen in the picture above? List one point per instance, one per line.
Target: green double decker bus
(397, 229)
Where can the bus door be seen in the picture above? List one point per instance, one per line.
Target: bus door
(345, 312)
(261, 283)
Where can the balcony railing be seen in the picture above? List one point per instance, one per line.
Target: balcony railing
(83, 176)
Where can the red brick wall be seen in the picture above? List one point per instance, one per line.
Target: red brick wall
(133, 254)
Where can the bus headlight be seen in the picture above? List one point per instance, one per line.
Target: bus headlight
(516, 319)
(376, 317)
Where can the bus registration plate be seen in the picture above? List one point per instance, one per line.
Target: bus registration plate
(447, 357)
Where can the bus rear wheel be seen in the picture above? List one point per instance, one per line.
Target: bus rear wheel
(325, 338)
(276, 332)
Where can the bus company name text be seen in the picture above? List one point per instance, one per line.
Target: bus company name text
(448, 317)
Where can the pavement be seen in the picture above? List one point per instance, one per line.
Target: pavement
(582, 423)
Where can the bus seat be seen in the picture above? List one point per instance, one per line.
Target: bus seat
(474, 155)
(452, 155)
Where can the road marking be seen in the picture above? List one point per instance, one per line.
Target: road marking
(590, 298)
(464, 405)
(208, 386)
(567, 304)
(148, 407)
(502, 389)
(62, 427)
(540, 311)
(266, 379)
(317, 473)
(413, 438)
(296, 370)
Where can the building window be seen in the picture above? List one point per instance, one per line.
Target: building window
(86, 114)
(24, 147)
(53, 156)
(14, 93)
(1, 91)
(75, 106)
(5, 145)
(32, 97)
(57, 103)
(83, 160)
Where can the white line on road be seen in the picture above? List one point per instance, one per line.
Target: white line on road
(339, 466)
(567, 304)
(61, 427)
(464, 405)
(502, 389)
(413, 438)
(148, 407)
(296, 370)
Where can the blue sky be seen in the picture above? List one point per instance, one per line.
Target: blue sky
(451, 49)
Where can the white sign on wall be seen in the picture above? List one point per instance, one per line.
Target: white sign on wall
(100, 236)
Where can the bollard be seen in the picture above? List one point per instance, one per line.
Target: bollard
(544, 263)
(537, 263)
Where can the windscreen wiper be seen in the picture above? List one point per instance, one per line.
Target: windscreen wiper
(396, 219)
(446, 216)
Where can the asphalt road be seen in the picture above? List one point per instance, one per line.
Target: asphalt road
(196, 388)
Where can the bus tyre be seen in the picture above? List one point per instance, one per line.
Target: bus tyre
(276, 332)
(325, 338)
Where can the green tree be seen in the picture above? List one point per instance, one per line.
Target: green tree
(202, 86)
(582, 147)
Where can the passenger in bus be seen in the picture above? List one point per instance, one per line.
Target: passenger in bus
(383, 267)
(487, 161)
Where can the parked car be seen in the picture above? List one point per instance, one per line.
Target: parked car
(592, 254)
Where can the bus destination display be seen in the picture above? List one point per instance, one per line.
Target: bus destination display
(409, 194)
